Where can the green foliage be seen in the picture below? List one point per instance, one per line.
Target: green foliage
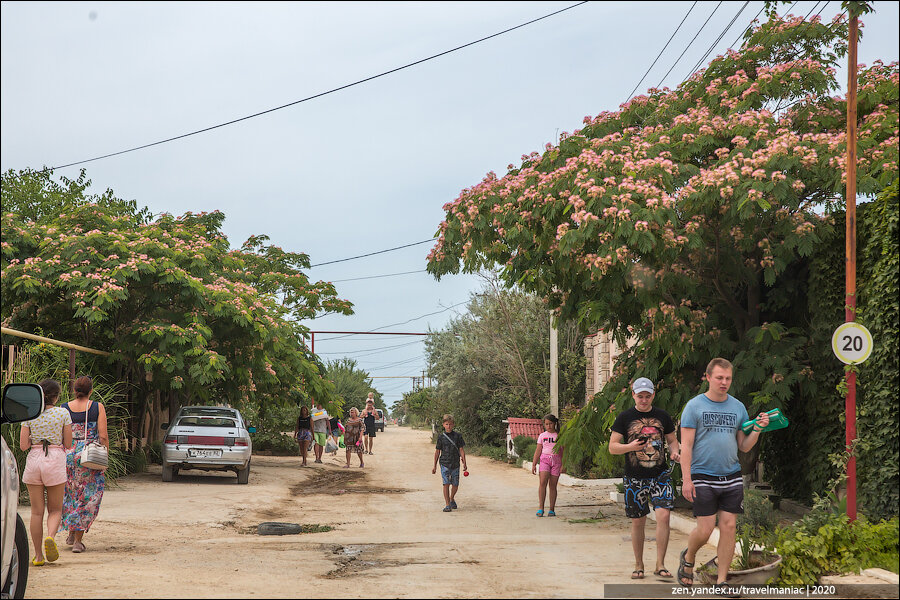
(279, 444)
(352, 385)
(529, 451)
(520, 442)
(828, 543)
(177, 307)
(492, 452)
(879, 377)
(493, 363)
(756, 526)
(689, 221)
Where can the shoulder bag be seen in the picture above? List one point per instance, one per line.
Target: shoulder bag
(94, 455)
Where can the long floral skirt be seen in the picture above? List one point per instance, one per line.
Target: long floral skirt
(84, 491)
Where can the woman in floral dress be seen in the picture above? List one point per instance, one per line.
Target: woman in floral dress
(353, 430)
(84, 488)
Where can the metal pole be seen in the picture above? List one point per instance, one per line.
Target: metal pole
(554, 368)
(851, 257)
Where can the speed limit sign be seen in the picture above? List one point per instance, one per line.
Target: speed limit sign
(851, 343)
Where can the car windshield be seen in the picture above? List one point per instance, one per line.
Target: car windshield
(206, 422)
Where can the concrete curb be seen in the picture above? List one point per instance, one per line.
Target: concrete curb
(883, 575)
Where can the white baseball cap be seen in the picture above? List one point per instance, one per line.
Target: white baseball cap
(642, 384)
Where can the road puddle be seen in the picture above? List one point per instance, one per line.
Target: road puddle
(339, 482)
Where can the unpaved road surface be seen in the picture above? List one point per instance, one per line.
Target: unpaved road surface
(196, 537)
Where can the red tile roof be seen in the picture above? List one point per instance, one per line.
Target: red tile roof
(530, 427)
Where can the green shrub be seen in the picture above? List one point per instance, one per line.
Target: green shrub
(824, 543)
(492, 452)
(520, 442)
(137, 461)
(278, 444)
(528, 450)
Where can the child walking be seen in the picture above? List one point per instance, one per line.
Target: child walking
(550, 458)
(449, 450)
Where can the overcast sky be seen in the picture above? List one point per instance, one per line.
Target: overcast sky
(357, 171)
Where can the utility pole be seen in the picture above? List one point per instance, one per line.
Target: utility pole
(554, 367)
(850, 304)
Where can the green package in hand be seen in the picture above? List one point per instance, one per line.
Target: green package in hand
(776, 421)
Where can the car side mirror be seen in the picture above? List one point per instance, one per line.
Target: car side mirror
(164, 426)
(22, 402)
(251, 429)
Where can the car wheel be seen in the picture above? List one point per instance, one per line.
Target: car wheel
(244, 475)
(274, 528)
(14, 586)
(168, 473)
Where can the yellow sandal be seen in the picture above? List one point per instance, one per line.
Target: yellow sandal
(51, 552)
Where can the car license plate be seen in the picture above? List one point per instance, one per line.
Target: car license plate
(198, 453)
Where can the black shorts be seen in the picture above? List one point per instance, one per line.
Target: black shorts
(713, 493)
(370, 431)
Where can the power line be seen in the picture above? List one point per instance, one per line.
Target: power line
(379, 276)
(691, 43)
(661, 51)
(744, 31)
(718, 39)
(370, 351)
(331, 262)
(319, 95)
(404, 322)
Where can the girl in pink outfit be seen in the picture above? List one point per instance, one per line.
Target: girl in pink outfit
(550, 458)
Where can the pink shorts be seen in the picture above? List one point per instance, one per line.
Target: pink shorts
(552, 463)
(47, 470)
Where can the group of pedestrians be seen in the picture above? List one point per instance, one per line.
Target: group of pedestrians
(711, 435)
(357, 434)
(54, 441)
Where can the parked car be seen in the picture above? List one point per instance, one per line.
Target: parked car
(379, 422)
(208, 438)
(21, 402)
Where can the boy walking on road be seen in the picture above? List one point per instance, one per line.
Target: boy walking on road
(638, 433)
(449, 450)
(710, 438)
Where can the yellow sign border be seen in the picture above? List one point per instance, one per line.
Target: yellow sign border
(866, 334)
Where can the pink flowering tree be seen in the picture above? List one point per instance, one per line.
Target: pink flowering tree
(177, 307)
(684, 220)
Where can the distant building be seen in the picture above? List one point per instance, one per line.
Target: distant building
(601, 351)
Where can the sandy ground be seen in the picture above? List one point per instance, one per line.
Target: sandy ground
(196, 537)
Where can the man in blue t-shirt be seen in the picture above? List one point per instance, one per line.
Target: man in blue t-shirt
(711, 436)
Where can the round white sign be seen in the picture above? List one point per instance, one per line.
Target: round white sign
(852, 343)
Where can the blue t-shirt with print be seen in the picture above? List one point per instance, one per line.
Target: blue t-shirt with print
(715, 441)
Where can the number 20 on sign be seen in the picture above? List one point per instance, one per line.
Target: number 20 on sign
(851, 343)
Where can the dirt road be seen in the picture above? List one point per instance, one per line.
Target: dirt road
(196, 537)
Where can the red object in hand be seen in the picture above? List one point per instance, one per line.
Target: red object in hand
(465, 473)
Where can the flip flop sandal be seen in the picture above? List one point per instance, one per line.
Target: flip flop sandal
(682, 564)
(37, 563)
(70, 540)
(51, 552)
(552, 513)
(539, 513)
(637, 574)
(664, 573)
(78, 548)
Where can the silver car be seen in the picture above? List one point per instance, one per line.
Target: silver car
(21, 402)
(209, 438)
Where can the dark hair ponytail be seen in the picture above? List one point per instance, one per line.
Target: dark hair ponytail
(51, 389)
(553, 419)
(83, 386)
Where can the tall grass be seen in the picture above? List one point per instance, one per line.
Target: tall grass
(50, 361)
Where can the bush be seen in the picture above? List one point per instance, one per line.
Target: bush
(492, 452)
(520, 442)
(824, 543)
(278, 444)
(528, 450)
